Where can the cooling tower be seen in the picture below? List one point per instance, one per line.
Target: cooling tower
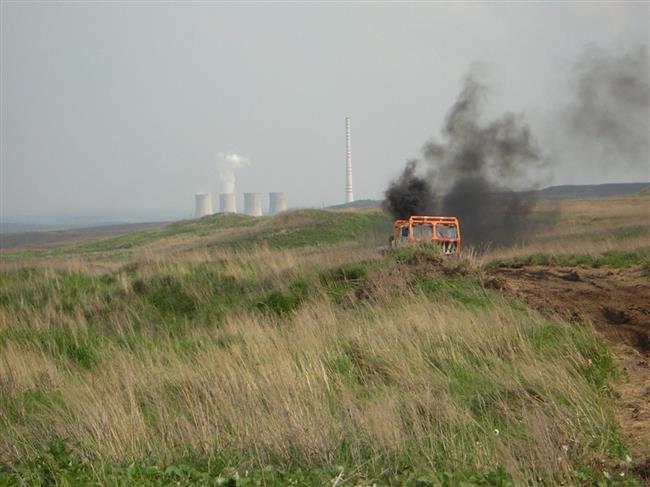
(227, 203)
(253, 204)
(203, 204)
(277, 203)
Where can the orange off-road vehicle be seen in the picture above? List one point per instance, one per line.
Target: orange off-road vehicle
(441, 230)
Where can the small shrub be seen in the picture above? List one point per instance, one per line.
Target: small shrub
(80, 348)
(282, 303)
(350, 272)
(609, 258)
(466, 290)
(645, 268)
(167, 295)
(598, 365)
(413, 254)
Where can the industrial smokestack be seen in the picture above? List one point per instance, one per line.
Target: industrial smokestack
(349, 197)
(227, 203)
(277, 203)
(253, 204)
(203, 204)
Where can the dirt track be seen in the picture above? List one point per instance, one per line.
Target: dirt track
(617, 303)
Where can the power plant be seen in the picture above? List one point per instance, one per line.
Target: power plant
(349, 196)
(227, 165)
(227, 203)
(203, 204)
(277, 203)
(253, 204)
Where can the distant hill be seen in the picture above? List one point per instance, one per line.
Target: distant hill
(362, 204)
(31, 237)
(11, 240)
(10, 227)
(592, 190)
(293, 228)
(565, 191)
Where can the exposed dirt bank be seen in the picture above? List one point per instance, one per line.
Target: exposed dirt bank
(617, 303)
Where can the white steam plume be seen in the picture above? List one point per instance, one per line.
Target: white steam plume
(227, 164)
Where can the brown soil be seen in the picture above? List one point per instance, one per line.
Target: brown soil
(617, 303)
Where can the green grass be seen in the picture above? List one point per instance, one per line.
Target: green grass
(466, 290)
(282, 303)
(645, 268)
(177, 318)
(416, 254)
(59, 466)
(610, 258)
(318, 227)
(607, 234)
(199, 227)
(293, 229)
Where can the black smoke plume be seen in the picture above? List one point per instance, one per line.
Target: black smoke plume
(472, 173)
(477, 171)
(603, 127)
(410, 194)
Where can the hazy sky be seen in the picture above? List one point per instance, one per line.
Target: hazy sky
(122, 107)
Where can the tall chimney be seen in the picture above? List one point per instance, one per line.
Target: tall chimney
(277, 203)
(349, 197)
(253, 204)
(203, 204)
(227, 203)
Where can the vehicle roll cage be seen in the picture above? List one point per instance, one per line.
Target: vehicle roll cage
(428, 220)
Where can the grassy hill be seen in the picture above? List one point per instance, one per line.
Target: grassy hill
(298, 228)
(593, 190)
(561, 192)
(287, 351)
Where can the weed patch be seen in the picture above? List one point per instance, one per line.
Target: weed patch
(466, 290)
(418, 254)
(610, 258)
(283, 303)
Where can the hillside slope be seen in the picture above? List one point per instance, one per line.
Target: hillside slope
(297, 228)
(274, 351)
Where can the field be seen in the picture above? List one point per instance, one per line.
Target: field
(289, 351)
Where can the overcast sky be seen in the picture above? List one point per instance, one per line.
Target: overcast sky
(122, 107)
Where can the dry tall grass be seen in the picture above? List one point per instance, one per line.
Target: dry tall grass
(587, 227)
(399, 379)
(181, 350)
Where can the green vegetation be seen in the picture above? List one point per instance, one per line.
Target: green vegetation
(286, 351)
(375, 362)
(616, 234)
(413, 254)
(202, 227)
(610, 258)
(59, 465)
(318, 227)
(645, 268)
(298, 228)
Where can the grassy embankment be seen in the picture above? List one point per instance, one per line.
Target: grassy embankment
(589, 228)
(299, 356)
